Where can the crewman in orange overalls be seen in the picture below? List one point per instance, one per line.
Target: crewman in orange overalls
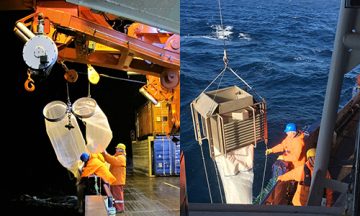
(303, 175)
(293, 147)
(118, 169)
(94, 167)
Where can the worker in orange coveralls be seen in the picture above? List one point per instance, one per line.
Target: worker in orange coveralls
(94, 166)
(303, 174)
(118, 169)
(293, 148)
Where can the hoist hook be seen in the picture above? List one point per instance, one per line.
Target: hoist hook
(29, 83)
(225, 58)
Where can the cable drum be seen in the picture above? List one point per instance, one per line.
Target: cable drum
(40, 52)
(55, 111)
(84, 107)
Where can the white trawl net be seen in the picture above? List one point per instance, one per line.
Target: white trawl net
(98, 131)
(67, 144)
(236, 173)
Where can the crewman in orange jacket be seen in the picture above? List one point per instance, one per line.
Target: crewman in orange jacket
(94, 166)
(293, 147)
(302, 174)
(118, 169)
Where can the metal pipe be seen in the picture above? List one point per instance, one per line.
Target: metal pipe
(131, 73)
(243, 136)
(355, 205)
(22, 27)
(247, 121)
(148, 96)
(238, 126)
(331, 103)
(352, 40)
(240, 130)
(234, 143)
(236, 133)
(243, 125)
(21, 35)
(240, 135)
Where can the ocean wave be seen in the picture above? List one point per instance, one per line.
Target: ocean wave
(244, 36)
(222, 32)
(199, 37)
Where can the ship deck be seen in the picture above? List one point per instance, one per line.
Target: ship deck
(145, 196)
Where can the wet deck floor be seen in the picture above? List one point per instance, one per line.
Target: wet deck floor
(151, 196)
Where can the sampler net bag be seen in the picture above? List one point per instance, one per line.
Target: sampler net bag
(98, 131)
(65, 134)
(68, 144)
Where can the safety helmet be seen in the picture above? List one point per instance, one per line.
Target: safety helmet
(311, 153)
(84, 157)
(121, 146)
(290, 127)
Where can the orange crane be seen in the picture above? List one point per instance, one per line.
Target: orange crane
(63, 32)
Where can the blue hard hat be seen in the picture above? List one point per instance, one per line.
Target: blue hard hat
(84, 157)
(290, 127)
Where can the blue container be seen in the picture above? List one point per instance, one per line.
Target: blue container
(177, 157)
(166, 156)
(163, 156)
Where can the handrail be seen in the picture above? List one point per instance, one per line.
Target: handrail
(262, 202)
(356, 190)
(109, 196)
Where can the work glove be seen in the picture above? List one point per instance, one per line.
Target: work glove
(268, 151)
(281, 157)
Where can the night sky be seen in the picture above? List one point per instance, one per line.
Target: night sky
(32, 167)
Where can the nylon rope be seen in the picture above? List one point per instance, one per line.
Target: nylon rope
(218, 86)
(89, 88)
(216, 170)
(68, 108)
(234, 72)
(116, 78)
(206, 173)
(214, 80)
(265, 168)
(221, 21)
(67, 92)
(69, 126)
(263, 178)
(203, 159)
(201, 148)
(218, 180)
(122, 79)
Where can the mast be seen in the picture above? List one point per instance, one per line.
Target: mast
(346, 56)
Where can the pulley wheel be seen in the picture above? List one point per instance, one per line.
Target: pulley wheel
(71, 76)
(169, 79)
